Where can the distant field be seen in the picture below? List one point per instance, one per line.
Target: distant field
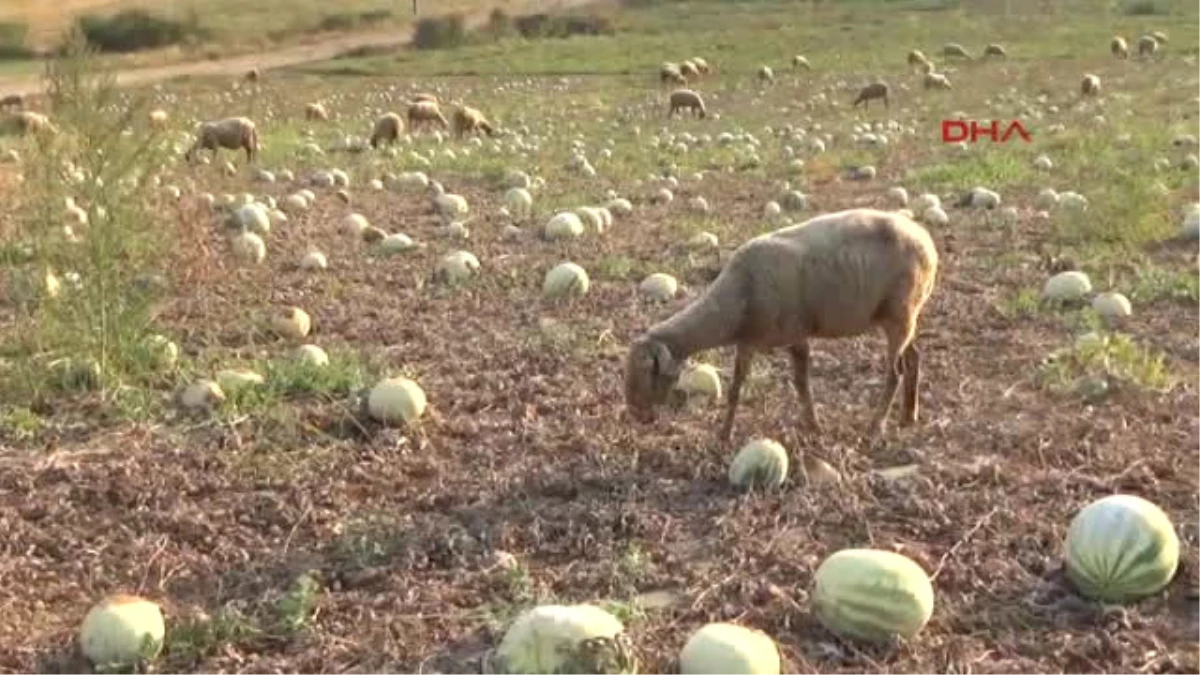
(232, 20)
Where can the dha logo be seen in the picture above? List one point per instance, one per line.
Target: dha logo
(955, 131)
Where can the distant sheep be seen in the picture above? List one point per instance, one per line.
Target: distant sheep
(315, 112)
(470, 120)
(252, 75)
(158, 117)
(1119, 47)
(800, 62)
(701, 65)
(936, 81)
(1147, 45)
(231, 133)
(387, 129)
(425, 96)
(995, 49)
(1159, 37)
(838, 275)
(682, 99)
(917, 57)
(30, 122)
(872, 92)
(13, 101)
(955, 49)
(669, 73)
(425, 113)
(689, 70)
(1090, 86)
(765, 74)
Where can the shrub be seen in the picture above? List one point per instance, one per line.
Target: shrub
(136, 29)
(351, 20)
(12, 40)
(542, 25)
(1145, 8)
(104, 316)
(443, 32)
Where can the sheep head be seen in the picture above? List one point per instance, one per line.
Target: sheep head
(651, 371)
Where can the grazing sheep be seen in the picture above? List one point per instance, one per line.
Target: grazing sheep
(873, 91)
(837, 275)
(1090, 86)
(927, 67)
(669, 74)
(315, 111)
(995, 49)
(955, 49)
(231, 133)
(687, 99)
(1147, 45)
(425, 96)
(30, 122)
(701, 65)
(158, 117)
(689, 70)
(425, 113)
(1159, 36)
(765, 74)
(468, 120)
(387, 129)
(936, 81)
(917, 57)
(13, 101)
(252, 75)
(1119, 47)
(799, 61)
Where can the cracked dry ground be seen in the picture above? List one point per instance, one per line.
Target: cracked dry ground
(526, 451)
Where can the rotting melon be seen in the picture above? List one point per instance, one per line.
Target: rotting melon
(1121, 548)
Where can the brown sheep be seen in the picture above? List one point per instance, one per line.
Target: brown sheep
(682, 99)
(1119, 47)
(425, 113)
(834, 276)
(468, 120)
(30, 122)
(315, 112)
(425, 96)
(955, 49)
(1147, 45)
(387, 129)
(995, 49)
(13, 101)
(231, 133)
(873, 91)
(252, 75)
(669, 74)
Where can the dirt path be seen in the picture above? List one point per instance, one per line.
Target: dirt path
(278, 58)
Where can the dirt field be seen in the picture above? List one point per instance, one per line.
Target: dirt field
(526, 449)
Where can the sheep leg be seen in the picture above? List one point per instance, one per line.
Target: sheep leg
(898, 338)
(800, 360)
(741, 368)
(911, 362)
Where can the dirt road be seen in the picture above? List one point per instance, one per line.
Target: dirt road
(278, 58)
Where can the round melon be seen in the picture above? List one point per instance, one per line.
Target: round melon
(730, 649)
(659, 287)
(122, 630)
(1121, 548)
(458, 266)
(701, 379)
(760, 463)
(872, 595)
(564, 639)
(566, 279)
(396, 399)
(292, 322)
(564, 225)
(1067, 286)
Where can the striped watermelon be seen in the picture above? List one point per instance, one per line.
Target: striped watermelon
(1121, 548)
(872, 595)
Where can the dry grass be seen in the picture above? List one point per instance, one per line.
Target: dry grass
(526, 449)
